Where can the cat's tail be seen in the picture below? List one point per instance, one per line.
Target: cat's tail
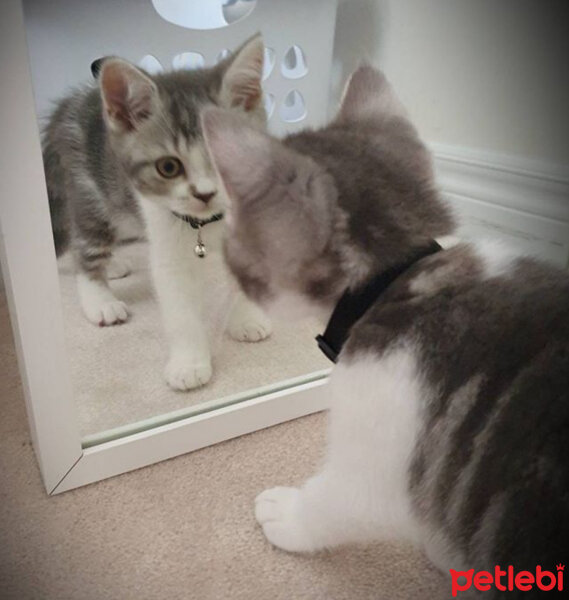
(58, 205)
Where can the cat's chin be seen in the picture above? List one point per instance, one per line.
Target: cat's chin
(188, 207)
(200, 214)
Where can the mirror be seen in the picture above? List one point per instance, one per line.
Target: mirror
(120, 331)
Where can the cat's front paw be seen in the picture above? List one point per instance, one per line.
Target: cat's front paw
(277, 511)
(113, 312)
(249, 324)
(98, 303)
(184, 373)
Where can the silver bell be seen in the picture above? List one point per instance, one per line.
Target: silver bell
(200, 250)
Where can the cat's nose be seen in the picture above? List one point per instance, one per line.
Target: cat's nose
(204, 197)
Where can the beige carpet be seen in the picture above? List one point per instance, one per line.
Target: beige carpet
(117, 372)
(180, 530)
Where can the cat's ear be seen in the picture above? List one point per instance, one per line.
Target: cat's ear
(241, 154)
(128, 94)
(97, 65)
(368, 94)
(241, 83)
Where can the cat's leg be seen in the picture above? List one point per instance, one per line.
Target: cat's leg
(118, 268)
(128, 228)
(189, 363)
(323, 513)
(247, 322)
(98, 302)
(178, 281)
(362, 493)
(94, 237)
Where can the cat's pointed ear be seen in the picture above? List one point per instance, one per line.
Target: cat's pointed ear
(241, 154)
(128, 94)
(241, 84)
(368, 94)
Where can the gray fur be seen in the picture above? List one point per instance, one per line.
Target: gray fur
(324, 210)
(327, 208)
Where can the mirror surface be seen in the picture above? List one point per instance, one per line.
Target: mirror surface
(118, 371)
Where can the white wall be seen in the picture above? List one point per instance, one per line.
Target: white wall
(487, 74)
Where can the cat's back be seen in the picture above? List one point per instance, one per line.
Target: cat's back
(480, 299)
(489, 333)
(74, 117)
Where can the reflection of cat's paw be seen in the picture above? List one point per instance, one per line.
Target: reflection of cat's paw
(185, 373)
(249, 324)
(118, 268)
(276, 510)
(252, 331)
(113, 312)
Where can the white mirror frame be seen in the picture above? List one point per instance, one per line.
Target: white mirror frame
(30, 275)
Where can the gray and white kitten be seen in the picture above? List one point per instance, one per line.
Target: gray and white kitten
(132, 146)
(449, 421)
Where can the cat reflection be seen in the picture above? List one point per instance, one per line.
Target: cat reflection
(128, 152)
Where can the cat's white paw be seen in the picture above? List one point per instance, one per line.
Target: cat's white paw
(277, 511)
(249, 324)
(184, 373)
(251, 331)
(113, 312)
(118, 268)
(98, 303)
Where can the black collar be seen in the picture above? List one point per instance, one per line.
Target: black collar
(197, 223)
(354, 304)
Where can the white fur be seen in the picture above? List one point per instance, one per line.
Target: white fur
(247, 323)
(128, 227)
(361, 493)
(194, 314)
(203, 177)
(118, 268)
(498, 258)
(448, 241)
(427, 283)
(98, 302)
(293, 306)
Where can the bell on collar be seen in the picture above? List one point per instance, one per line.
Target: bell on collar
(200, 250)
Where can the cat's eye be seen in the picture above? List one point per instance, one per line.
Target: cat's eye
(169, 167)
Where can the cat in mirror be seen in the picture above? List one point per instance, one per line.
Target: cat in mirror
(127, 155)
(449, 419)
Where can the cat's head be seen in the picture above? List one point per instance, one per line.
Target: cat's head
(321, 211)
(155, 130)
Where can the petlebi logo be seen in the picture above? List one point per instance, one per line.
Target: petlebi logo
(507, 580)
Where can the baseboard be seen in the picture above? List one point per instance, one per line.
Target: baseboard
(524, 203)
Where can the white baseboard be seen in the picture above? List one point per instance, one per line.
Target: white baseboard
(524, 203)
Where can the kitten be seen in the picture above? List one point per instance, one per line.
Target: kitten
(449, 421)
(131, 147)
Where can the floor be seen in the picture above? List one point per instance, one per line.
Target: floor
(179, 530)
(117, 372)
